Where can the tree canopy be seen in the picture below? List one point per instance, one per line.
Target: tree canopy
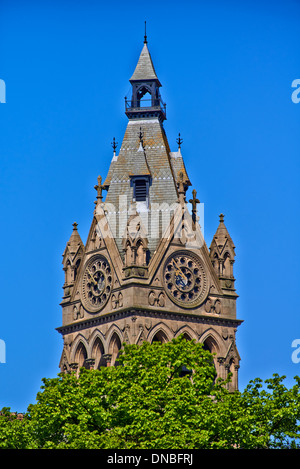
(161, 396)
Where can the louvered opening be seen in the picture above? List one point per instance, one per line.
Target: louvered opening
(140, 190)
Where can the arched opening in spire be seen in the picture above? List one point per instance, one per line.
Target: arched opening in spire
(144, 97)
(68, 272)
(76, 268)
(227, 270)
(140, 254)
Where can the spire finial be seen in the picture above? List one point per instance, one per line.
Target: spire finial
(194, 201)
(114, 144)
(179, 140)
(99, 189)
(141, 135)
(145, 37)
(221, 218)
(181, 189)
(75, 226)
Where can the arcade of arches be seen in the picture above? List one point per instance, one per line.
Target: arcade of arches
(101, 353)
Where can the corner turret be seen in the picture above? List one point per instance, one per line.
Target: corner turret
(222, 254)
(72, 256)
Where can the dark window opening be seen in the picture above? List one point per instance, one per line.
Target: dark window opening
(144, 98)
(76, 268)
(140, 190)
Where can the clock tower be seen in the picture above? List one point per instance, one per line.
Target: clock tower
(145, 272)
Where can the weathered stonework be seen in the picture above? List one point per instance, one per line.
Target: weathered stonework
(145, 272)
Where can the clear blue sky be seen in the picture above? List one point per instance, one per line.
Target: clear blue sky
(226, 70)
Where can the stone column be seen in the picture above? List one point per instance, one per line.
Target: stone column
(221, 372)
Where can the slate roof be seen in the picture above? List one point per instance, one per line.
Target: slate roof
(178, 166)
(145, 68)
(153, 159)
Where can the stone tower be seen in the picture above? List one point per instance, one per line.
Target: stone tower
(145, 272)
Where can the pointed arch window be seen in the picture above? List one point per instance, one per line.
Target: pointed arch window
(160, 336)
(144, 98)
(81, 355)
(227, 269)
(114, 349)
(76, 268)
(98, 354)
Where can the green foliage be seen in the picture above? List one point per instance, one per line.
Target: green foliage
(13, 432)
(146, 403)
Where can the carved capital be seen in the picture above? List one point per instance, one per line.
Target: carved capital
(90, 363)
(221, 360)
(73, 366)
(107, 357)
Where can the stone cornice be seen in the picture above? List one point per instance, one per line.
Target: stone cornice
(127, 312)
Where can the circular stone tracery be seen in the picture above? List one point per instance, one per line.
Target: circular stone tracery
(96, 283)
(185, 280)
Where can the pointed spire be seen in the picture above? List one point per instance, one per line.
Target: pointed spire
(75, 240)
(222, 254)
(222, 232)
(145, 68)
(72, 256)
(222, 238)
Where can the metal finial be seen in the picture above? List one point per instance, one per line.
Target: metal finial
(114, 144)
(179, 140)
(141, 135)
(145, 37)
